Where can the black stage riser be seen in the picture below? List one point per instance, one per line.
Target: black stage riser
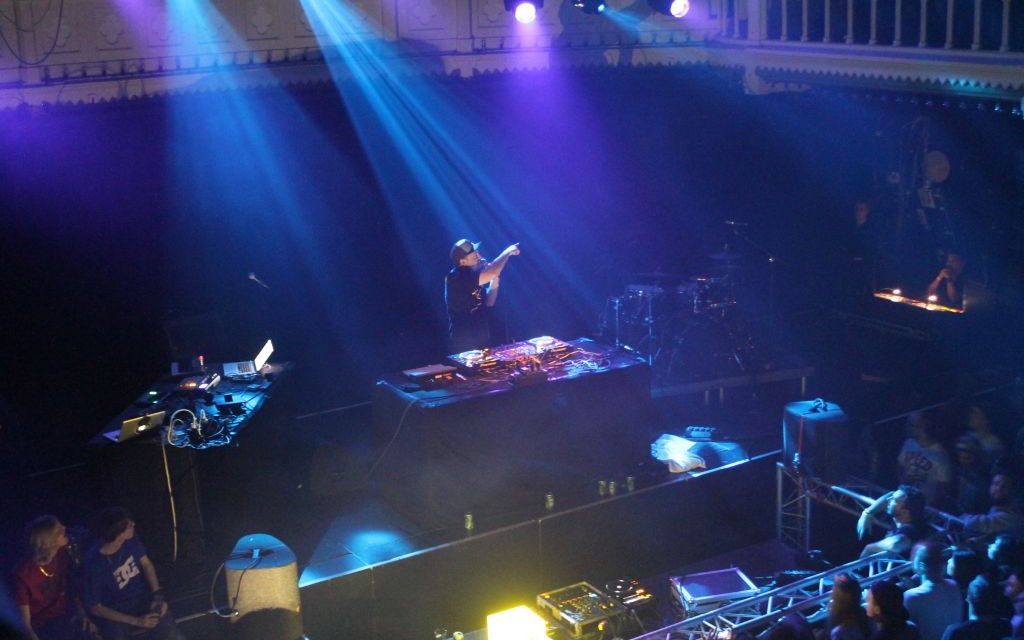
(498, 453)
(636, 534)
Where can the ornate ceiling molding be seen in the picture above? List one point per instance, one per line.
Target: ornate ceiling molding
(99, 50)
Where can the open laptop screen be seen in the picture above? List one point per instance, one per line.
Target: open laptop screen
(133, 427)
(263, 356)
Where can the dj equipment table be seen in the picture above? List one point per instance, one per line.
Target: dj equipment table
(496, 444)
(177, 492)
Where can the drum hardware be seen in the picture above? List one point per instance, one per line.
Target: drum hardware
(725, 255)
(688, 324)
(641, 308)
(658, 275)
(648, 321)
(707, 346)
(617, 314)
(711, 294)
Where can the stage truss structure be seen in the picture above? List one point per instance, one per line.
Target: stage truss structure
(808, 596)
(796, 494)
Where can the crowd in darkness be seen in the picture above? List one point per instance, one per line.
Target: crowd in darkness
(967, 583)
(968, 579)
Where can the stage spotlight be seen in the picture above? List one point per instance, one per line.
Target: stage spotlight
(591, 6)
(674, 8)
(525, 11)
(519, 623)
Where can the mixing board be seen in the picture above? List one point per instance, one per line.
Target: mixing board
(538, 351)
(580, 607)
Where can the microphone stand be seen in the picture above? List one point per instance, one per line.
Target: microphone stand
(773, 261)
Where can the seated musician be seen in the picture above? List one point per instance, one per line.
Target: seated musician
(954, 287)
(948, 285)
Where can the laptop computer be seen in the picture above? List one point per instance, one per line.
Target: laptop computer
(133, 427)
(250, 368)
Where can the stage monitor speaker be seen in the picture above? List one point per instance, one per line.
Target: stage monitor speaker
(816, 440)
(263, 590)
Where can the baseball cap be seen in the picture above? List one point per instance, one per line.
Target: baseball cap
(463, 248)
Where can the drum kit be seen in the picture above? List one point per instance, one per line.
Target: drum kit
(682, 325)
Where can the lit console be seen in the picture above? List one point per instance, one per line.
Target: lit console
(894, 295)
(534, 352)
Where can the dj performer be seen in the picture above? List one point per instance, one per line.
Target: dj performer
(470, 290)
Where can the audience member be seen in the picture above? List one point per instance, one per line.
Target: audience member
(885, 607)
(792, 627)
(847, 620)
(979, 425)
(1004, 553)
(1003, 516)
(988, 613)
(936, 603)
(905, 509)
(121, 586)
(924, 463)
(973, 476)
(43, 585)
(1013, 589)
(963, 566)
(865, 241)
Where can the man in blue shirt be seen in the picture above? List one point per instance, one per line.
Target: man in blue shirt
(121, 588)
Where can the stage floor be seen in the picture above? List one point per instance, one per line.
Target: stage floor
(336, 523)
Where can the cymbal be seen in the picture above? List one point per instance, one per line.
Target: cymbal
(725, 256)
(725, 268)
(707, 277)
(659, 275)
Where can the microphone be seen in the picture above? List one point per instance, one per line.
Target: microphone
(252, 276)
(734, 223)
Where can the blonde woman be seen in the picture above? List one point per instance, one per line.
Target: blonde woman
(42, 585)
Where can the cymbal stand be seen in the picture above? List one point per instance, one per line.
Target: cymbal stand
(773, 261)
(617, 309)
(649, 322)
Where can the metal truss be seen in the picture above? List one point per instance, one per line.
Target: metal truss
(795, 497)
(793, 512)
(809, 595)
(794, 505)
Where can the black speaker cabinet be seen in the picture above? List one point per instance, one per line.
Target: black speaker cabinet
(816, 439)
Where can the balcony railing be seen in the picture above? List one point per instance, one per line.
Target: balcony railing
(966, 25)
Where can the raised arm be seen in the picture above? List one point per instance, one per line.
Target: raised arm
(493, 270)
(952, 291)
(870, 512)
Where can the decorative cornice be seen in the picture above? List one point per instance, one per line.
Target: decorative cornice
(102, 52)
